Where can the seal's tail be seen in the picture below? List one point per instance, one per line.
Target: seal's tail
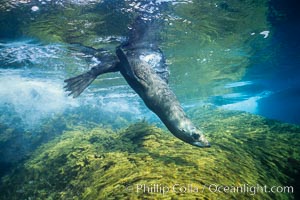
(77, 84)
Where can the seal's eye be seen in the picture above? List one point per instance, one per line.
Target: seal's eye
(195, 136)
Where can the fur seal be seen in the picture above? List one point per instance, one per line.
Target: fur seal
(143, 66)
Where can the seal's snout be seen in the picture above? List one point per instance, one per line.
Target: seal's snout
(193, 136)
(204, 144)
(201, 141)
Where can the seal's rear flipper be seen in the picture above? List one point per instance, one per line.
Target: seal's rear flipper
(77, 84)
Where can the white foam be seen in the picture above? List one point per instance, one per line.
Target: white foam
(29, 51)
(237, 84)
(38, 96)
(249, 105)
(265, 33)
(34, 8)
(32, 98)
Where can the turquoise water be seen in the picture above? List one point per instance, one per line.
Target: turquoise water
(232, 55)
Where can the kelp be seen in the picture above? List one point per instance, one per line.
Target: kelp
(18, 140)
(98, 163)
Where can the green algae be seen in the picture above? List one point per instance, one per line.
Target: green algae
(98, 163)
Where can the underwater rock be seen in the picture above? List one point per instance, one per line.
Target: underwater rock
(146, 162)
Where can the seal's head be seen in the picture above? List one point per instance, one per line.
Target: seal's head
(193, 136)
(201, 141)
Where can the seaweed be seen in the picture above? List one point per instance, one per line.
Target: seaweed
(99, 163)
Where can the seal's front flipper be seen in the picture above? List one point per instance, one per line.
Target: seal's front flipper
(76, 85)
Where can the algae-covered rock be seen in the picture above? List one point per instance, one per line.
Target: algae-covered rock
(248, 153)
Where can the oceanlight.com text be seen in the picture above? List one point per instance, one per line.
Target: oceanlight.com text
(212, 188)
